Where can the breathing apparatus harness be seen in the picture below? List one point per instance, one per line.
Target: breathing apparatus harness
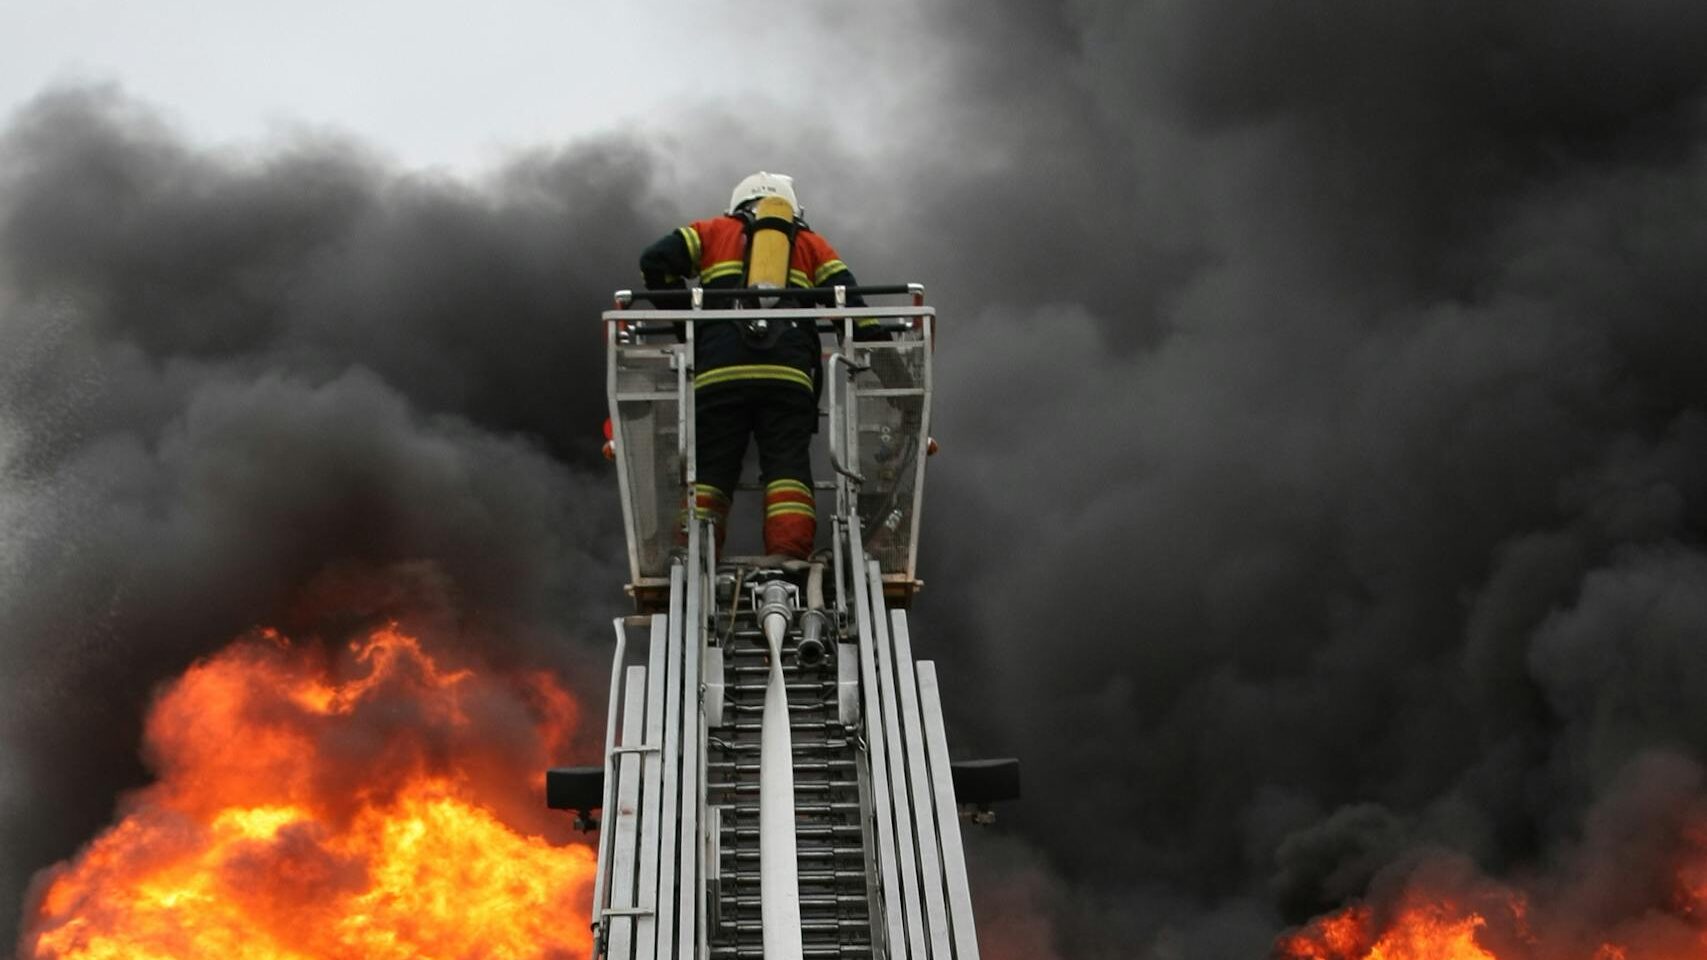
(761, 333)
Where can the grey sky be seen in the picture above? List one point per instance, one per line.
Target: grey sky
(455, 84)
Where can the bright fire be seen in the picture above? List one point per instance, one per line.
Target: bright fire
(367, 803)
(1421, 931)
(1596, 920)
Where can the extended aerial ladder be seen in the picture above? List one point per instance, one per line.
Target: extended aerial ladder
(777, 780)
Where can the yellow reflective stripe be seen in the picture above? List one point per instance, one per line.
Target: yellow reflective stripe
(868, 321)
(780, 486)
(753, 371)
(708, 513)
(797, 278)
(707, 490)
(790, 509)
(719, 270)
(692, 237)
(829, 269)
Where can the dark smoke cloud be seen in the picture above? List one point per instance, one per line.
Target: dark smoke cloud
(296, 390)
(1320, 397)
(1343, 442)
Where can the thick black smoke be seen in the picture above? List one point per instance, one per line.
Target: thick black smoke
(1331, 393)
(266, 390)
(1325, 446)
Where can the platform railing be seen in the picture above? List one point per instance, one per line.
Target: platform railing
(877, 413)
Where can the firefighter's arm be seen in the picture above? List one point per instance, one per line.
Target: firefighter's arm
(667, 263)
(865, 328)
(832, 272)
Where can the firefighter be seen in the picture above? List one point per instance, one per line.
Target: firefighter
(754, 379)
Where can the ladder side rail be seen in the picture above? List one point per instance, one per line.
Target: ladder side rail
(608, 805)
(895, 941)
(690, 878)
(651, 788)
(876, 926)
(669, 815)
(918, 777)
(706, 551)
(905, 850)
(948, 817)
(619, 944)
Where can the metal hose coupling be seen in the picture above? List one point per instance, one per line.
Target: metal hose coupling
(810, 651)
(775, 602)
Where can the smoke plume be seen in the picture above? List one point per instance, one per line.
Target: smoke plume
(281, 390)
(1344, 440)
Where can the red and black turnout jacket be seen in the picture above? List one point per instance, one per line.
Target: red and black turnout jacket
(715, 252)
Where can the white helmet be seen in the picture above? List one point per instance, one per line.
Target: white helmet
(764, 184)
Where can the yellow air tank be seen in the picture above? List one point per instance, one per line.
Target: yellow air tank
(772, 244)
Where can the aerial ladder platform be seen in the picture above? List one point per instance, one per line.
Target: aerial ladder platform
(777, 780)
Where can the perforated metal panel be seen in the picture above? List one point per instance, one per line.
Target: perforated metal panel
(647, 428)
(891, 400)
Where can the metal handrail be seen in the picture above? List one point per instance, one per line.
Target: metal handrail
(706, 295)
(610, 780)
(673, 332)
(839, 428)
(690, 317)
(819, 304)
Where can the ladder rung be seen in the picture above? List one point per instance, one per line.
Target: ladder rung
(818, 901)
(792, 725)
(852, 877)
(764, 672)
(842, 950)
(812, 765)
(759, 647)
(806, 853)
(792, 708)
(755, 926)
(808, 809)
(806, 746)
(800, 786)
(801, 831)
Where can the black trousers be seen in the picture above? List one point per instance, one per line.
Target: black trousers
(780, 416)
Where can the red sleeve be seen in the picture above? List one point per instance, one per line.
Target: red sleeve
(821, 263)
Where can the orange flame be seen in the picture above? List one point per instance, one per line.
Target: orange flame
(1495, 922)
(369, 805)
(1421, 931)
